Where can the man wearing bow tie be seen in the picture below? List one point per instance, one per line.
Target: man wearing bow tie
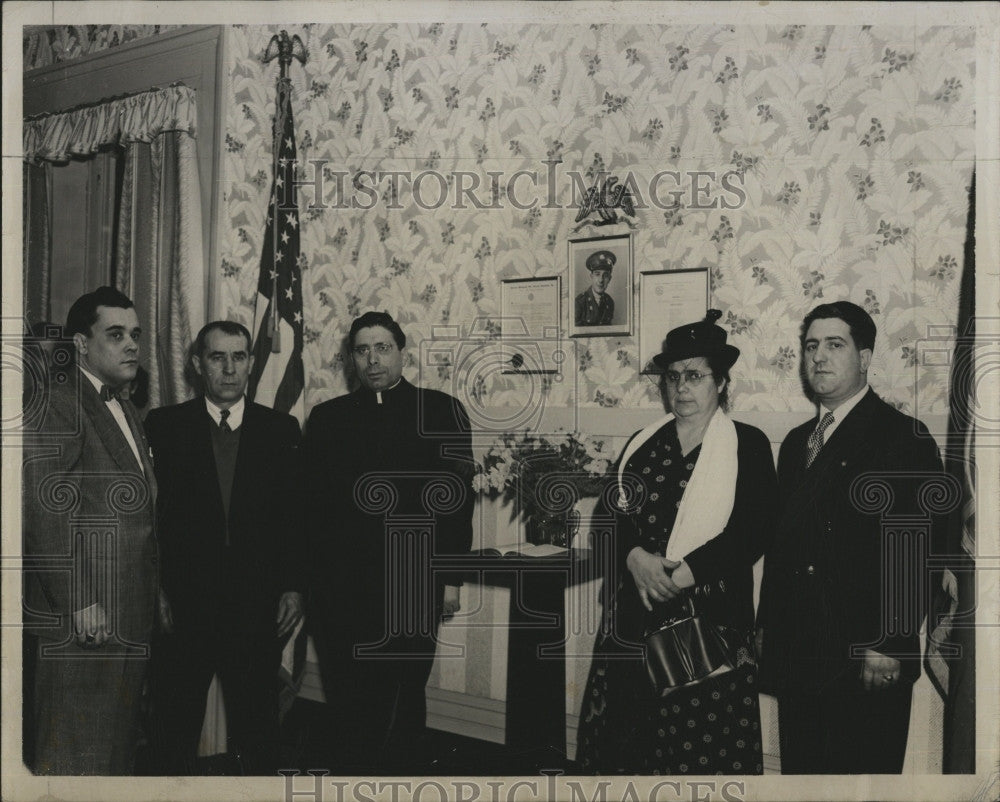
(841, 602)
(90, 551)
(230, 539)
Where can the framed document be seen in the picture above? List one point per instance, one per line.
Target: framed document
(600, 286)
(529, 333)
(667, 299)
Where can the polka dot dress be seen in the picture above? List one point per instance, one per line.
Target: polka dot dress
(712, 727)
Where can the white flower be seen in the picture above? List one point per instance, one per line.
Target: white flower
(599, 467)
(480, 483)
(497, 478)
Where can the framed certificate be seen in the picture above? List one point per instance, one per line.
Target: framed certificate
(600, 286)
(667, 299)
(529, 326)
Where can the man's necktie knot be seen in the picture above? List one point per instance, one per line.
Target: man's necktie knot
(107, 393)
(224, 422)
(816, 438)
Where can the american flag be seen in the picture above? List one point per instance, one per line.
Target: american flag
(278, 376)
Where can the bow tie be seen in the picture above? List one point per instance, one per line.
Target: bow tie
(107, 393)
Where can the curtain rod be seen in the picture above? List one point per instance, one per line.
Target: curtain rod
(95, 103)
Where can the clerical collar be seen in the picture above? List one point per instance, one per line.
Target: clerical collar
(235, 419)
(378, 393)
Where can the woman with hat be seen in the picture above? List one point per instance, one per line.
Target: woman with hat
(693, 501)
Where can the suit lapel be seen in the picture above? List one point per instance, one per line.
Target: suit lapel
(805, 485)
(203, 457)
(132, 418)
(244, 458)
(847, 437)
(107, 428)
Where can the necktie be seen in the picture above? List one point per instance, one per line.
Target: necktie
(107, 393)
(224, 423)
(816, 438)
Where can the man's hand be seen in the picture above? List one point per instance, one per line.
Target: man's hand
(651, 576)
(90, 625)
(879, 671)
(289, 612)
(451, 604)
(166, 615)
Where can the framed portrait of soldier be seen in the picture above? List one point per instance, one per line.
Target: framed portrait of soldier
(600, 286)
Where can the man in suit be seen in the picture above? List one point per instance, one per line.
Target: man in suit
(390, 469)
(841, 599)
(90, 549)
(593, 306)
(232, 561)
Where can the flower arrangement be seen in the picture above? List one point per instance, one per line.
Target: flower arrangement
(542, 476)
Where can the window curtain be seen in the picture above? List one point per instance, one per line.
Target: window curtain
(37, 242)
(159, 255)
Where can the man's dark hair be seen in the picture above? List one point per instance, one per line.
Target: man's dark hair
(857, 319)
(230, 327)
(83, 313)
(383, 319)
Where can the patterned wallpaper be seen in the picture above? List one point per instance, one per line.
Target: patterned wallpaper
(852, 148)
(51, 44)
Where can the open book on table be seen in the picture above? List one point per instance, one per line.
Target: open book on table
(526, 550)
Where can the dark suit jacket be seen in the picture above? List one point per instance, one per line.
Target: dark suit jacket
(416, 440)
(207, 583)
(825, 586)
(82, 485)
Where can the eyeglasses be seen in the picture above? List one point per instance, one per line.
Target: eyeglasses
(380, 348)
(692, 377)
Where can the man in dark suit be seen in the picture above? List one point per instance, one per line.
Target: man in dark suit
(232, 562)
(389, 471)
(90, 550)
(841, 601)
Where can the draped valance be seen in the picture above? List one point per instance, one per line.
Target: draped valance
(135, 118)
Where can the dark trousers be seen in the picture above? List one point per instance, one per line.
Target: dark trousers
(87, 710)
(247, 666)
(844, 731)
(377, 702)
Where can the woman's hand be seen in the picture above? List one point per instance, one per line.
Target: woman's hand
(650, 572)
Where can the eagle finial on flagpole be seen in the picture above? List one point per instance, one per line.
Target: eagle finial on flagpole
(284, 48)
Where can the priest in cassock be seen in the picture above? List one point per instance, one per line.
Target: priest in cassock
(389, 470)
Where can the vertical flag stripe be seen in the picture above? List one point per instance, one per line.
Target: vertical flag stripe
(278, 376)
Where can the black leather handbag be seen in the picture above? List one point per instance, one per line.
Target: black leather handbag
(685, 651)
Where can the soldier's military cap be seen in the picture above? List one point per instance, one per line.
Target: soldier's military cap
(601, 260)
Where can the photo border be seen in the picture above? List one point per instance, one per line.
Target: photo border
(574, 248)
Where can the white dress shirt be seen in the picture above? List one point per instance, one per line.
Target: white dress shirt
(840, 412)
(118, 414)
(235, 419)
